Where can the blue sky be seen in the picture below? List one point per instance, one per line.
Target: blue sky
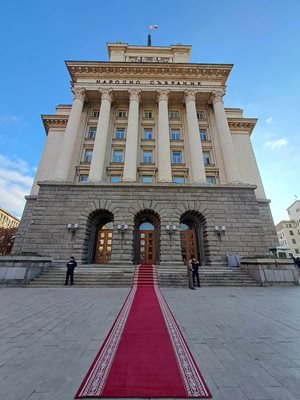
(260, 37)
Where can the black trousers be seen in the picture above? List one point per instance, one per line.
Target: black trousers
(70, 274)
(196, 275)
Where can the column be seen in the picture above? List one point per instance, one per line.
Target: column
(228, 152)
(131, 148)
(100, 143)
(197, 172)
(68, 145)
(164, 157)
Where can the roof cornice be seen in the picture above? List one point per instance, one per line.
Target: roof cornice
(107, 69)
(242, 124)
(54, 121)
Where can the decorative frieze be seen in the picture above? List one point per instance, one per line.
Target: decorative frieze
(54, 121)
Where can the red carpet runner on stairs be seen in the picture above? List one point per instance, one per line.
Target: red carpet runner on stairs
(144, 354)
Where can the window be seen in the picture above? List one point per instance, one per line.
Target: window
(122, 114)
(178, 179)
(118, 156)
(120, 133)
(115, 178)
(147, 179)
(206, 158)
(83, 178)
(203, 135)
(297, 251)
(88, 156)
(291, 233)
(174, 114)
(148, 114)
(92, 132)
(147, 157)
(201, 115)
(175, 134)
(211, 180)
(148, 134)
(95, 113)
(293, 241)
(176, 157)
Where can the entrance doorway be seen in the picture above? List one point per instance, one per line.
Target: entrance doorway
(188, 244)
(103, 244)
(192, 225)
(146, 243)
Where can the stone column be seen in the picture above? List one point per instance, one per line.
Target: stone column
(228, 152)
(100, 143)
(131, 148)
(164, 157)
(68, 145)
(197, 173)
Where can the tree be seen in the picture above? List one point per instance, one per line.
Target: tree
(7, 237)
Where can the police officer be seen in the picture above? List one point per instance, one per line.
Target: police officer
(195, 264)
(71, 265)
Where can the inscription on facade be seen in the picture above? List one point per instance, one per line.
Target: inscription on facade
(155, 82)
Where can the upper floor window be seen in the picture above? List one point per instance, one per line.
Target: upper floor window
(174, 115)
(115, 178)
(88, 156)
(178, 179)
(148, 114)
(122, 114)
(201, 115)
(176, 157)
(175, 134)
(83, 178)
(148, 134)
(211, 180)
(206, 158)
(92, 132)
(95, 113)
(294, 241)
(120, 133)
(118, 156)
(291, 233)
(203, 135)
(147, 156)
(147, 178)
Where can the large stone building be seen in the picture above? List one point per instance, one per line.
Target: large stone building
(147, 165)
(7, 220)
(288, 232)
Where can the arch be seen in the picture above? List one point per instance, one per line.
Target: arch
(146, 227)
(192, 233)
(97, 220)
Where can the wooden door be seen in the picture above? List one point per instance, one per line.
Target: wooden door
(103, 246)
(188, 245)
(147, 247)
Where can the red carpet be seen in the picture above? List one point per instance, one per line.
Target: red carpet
(144, 354)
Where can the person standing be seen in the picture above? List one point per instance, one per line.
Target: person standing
(195, 264)
(71, 265)
(190, 274)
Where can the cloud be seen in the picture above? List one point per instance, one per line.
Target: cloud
(9, 119)
(276, 144)
(15, 182)
(269, 120)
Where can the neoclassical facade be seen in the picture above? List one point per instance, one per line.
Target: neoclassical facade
(147, 165)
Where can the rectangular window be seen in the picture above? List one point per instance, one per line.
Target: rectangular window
(122, 114)
(206, 158)
(147, 179)
(118, 156)
(148, 114)
(211, 180)
(147, 157)
(297, 251)
(88, 156)
(293, 241)
(95, 113)
(92, 132)
(203, 135)
(291, 233)
(174, 115)
(115, 178)
(178, 179)
(148, 134)
(120, 133)
(175, 134)
(176, 157)
(201, 115)
(83, 178)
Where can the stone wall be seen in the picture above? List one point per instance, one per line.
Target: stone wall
(235, 207)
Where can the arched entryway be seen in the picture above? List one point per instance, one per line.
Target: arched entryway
(191, 236)
(146, 237)
(100, 237)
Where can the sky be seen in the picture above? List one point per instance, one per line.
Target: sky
(260, 37)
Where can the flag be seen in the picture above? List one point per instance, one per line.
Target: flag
(152, 27)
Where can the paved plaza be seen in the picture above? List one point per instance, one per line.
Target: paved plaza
(246, 341)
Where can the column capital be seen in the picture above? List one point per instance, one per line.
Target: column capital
(217, 95)
(135, 95)
(79, 93)
(106, 93)
(190, 95)
(163, 94)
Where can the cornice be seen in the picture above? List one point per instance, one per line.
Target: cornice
(54, 121)
(242, 124)
(132, 70)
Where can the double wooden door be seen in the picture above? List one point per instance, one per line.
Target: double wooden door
(147, 249)
(188, 245)
(103, 246)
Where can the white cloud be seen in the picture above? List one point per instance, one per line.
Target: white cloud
(15, 183)
(276, 144)
(269, 120)
(8, 119)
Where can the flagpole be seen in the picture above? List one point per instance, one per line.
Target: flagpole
(149, 39)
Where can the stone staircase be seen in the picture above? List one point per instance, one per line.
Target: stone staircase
(212, 275)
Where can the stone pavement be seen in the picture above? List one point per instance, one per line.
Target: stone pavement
(246, 341)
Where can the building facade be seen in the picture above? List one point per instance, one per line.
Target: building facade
(147, 166)
(288, 232)
(7, 220)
